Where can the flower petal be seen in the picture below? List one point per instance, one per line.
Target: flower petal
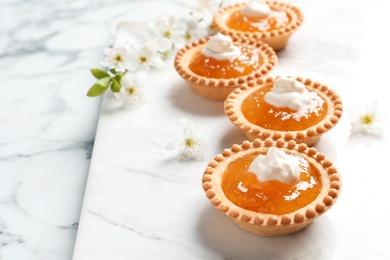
(190, 144)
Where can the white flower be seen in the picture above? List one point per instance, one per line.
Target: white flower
(133, 88)
(169, 27)
(196, 27)
(206, 6)
(189, 144)
(205, 10)
(117, 58)
(366, 120)
(147, 55)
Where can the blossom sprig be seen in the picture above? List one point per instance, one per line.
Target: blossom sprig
(189, 144)
(105, 79)
(166, 34)
(367, 120)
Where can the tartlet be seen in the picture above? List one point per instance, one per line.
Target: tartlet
(277, 38)
(219, 88)
(308, 132)
(268, 224)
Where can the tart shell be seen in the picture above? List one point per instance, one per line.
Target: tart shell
(309, 136)
(277, 39)
(272, 224)
(219, 89)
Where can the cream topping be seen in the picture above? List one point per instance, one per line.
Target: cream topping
(288, 92)
(256, 9)
(276, 165)
(221, 47)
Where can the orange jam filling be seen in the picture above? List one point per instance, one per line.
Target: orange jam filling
(240, 22)
(248, 61)
(257, 111)
(272, 197)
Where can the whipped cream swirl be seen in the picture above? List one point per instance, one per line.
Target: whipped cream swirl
(288, 92)
(276, 165)
(221, 47)
(256, 9)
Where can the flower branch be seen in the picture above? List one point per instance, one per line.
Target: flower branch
(126, 65)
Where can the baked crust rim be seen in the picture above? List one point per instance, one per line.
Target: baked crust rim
(277, 39)
(272, 224)
(224, 86)
(310, 136)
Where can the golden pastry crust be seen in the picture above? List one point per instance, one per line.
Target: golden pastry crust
(277, 39)
(272, 224)
(309, 136)
(219, 89)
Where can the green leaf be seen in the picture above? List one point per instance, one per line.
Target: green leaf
(115, 86)
(99, 73)
(96, 90)
(113, 71)
(119, 77)
(100, 87)
(104, 82)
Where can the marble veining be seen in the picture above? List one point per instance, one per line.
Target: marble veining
(47, 124)
(133, 198)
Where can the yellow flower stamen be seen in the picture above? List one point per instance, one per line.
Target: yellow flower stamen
(143, 59)
(189, 142)
(165, 54)
(367, 119)
(131, 90)
(187, 36)
(167, 34)
(118, 58)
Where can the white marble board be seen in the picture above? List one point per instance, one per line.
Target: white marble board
(142, 203)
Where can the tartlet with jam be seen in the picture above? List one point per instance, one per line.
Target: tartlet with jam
(306, 109)
(273, 206)
(272, 22)
(216, 65)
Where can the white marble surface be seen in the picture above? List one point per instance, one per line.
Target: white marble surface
(47, 124)
(140, 202)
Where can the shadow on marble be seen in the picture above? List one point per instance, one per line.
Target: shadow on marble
(221, 235)
(329, 148)
(364, 141)
(231, 136)
(183, 97)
